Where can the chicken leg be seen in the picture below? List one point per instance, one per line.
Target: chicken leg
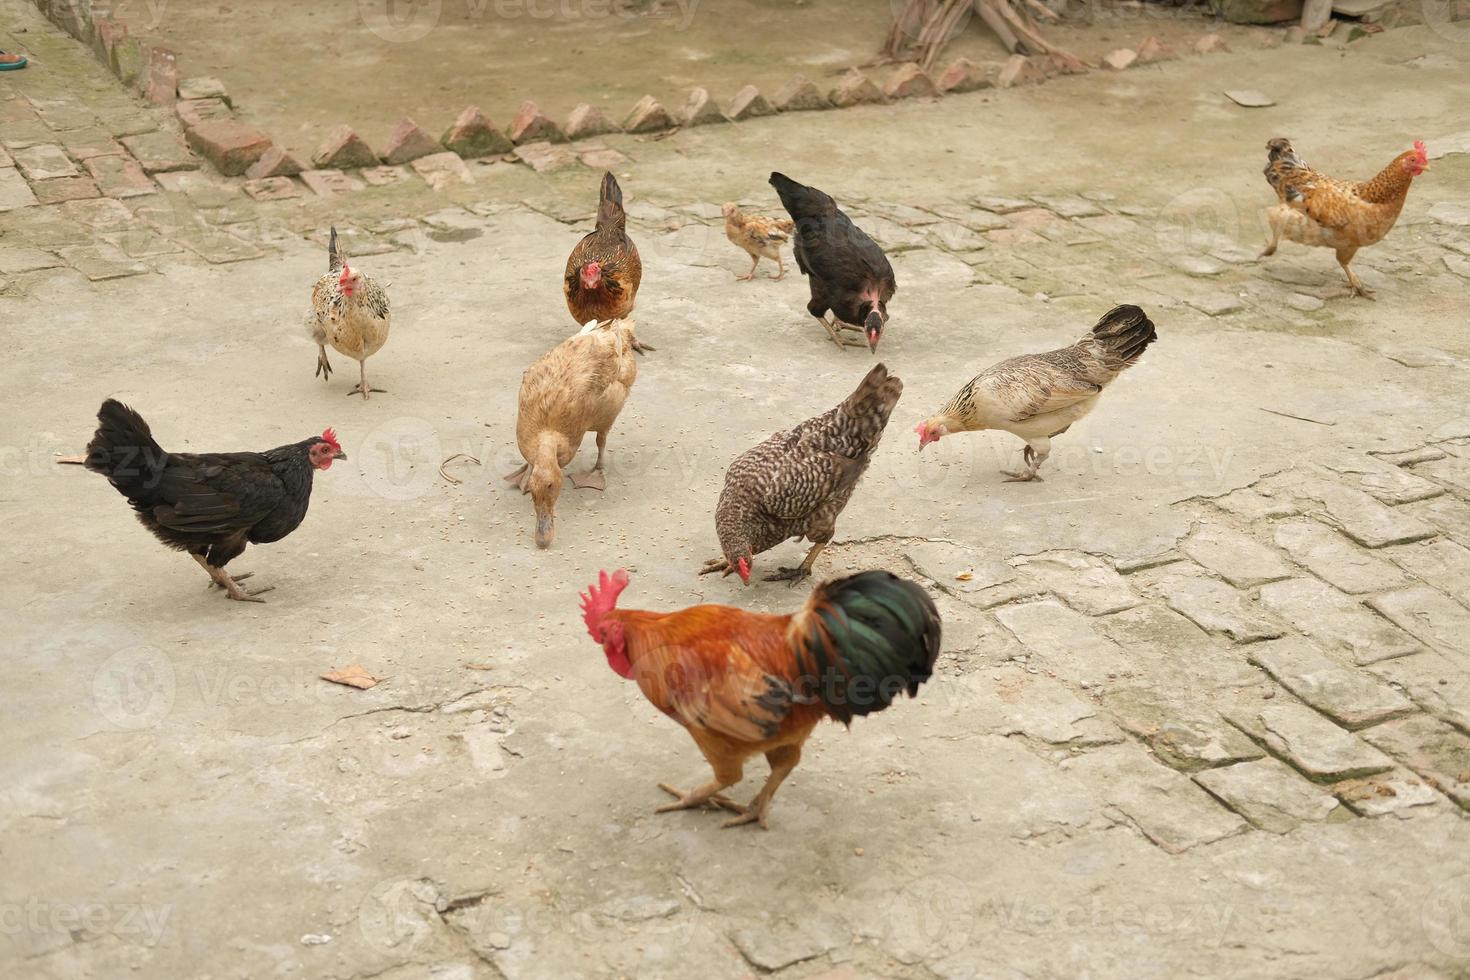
(595, 479)
(780, 269)
(783, 759)
(362, 385)
(1344, 256)
(755, 260)
(223, 580)
(804, 570)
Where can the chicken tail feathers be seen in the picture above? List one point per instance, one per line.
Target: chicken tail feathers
(1125, 331)
(610, 212)
(334, 257)
(862, 641)
(124, 451)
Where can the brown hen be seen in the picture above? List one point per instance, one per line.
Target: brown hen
(603, 271)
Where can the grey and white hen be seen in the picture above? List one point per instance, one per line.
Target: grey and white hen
(796, 483)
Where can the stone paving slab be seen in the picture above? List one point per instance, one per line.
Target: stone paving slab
(1385, 793)
(1216, 607)
(1430, 615)
(1348, 696)
(1437, 684)
(1312, 744)
(1331, 556)
(1067, 642)
(1269, 794)
(1166, 806)
(1084, 582)
(1436, 751)
(1237, 558)
(1335, 621)
(1185, 735)
(1444, 562)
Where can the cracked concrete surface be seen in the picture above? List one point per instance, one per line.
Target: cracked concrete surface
(184, 796)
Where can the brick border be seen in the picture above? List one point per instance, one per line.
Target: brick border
(206, 111)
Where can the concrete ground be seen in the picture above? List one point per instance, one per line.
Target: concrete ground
(1205, 696)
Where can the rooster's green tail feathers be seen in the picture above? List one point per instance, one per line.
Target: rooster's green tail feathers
(863, 640)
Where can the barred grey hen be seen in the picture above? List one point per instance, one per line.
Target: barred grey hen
(795, 483)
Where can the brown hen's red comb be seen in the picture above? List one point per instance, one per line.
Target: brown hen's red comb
(1421, 155)
(330, 438)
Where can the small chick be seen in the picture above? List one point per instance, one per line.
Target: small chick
(760, 237)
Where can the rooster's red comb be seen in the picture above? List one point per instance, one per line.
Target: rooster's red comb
(330, 438)
(602, 598)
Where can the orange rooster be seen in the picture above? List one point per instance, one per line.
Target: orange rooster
(604, 270)
(744, 682)
(1340, 214)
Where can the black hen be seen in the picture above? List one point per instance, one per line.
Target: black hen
(848, 272)
(211, 504)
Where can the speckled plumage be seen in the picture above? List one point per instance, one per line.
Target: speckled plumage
(355, 325)
(797, 482)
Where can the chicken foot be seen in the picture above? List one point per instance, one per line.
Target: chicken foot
(223, 580)
(362, 384)
(323, 366)
(717, 565)
(780, 269)
(804, 570)
(1033, 463)
(595, 478)
(704, 795)
(832, 329)
(521, 478)
(782, 761)
(755, 260)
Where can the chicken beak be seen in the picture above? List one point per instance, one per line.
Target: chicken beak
(339, 454)
(545, 531)
(873, 327)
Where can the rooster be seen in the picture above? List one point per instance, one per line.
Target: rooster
(1341, 214)
(578, 387)
(603, 271)
(350, 312)
(743, 682)
(760, 237)
(847, 271)
(795, 483)
(1038, 396)
(210, 504)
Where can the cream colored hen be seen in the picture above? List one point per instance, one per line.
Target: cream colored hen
(576, 388)
(1038, 396)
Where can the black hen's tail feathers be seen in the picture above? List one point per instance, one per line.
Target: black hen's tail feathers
(863, 640)
(1126, 331)
(123, 450)
(610, 212)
